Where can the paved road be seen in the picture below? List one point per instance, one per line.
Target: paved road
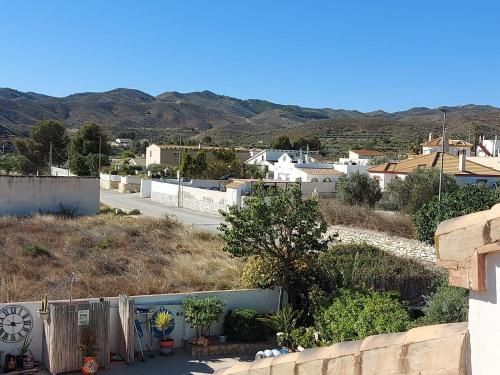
(147, 207)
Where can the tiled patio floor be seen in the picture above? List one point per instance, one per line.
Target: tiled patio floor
(179, 363)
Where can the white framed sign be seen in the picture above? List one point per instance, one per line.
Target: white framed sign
(83, 317)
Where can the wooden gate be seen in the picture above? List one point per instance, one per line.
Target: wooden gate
(61, 341)
(126, 328)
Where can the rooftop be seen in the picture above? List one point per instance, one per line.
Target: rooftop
(433, 160)
(451, 142)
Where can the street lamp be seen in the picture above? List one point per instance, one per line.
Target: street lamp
(444, 110)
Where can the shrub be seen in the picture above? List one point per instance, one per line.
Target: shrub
(465, 200)
(305, 337)
(201, 313)
(283, 322)
(354, 315)
(36, 250)
(418, 188)
(134, 212)
(358, 189)
(367, 267)
(243, 325)
(447, 305)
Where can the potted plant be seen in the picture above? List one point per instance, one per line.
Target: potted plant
(163, 321)
(22, 359)
(201, 314)
(43, 312)
(88, 348)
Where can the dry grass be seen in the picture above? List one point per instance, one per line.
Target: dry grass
(393, 223)
(109, 255)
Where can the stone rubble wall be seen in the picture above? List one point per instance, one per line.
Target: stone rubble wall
(430, 350)
(396, 245)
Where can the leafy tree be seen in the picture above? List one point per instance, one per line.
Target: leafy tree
(27, 156)
(202, 313)
(301, 143)
(447, 305)
(84, 150)
(7, 163)
(358, 189)
(354, 315)
(418, 188)
(278, 225)
(465, 200)
(282, 143)
(127, 154)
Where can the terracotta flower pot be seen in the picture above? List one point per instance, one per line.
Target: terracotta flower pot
(166, 346)
(89, 366)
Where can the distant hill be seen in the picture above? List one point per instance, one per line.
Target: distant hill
(226, 119)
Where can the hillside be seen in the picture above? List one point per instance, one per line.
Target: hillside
(225, 119)
(108, 255)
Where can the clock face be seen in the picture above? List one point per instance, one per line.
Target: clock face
(16, 322)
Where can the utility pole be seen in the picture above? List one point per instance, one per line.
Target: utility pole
(99, 168)
(179, 172)
(444, 110)
(50, 158)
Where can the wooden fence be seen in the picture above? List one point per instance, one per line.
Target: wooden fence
(61, 336)
(126, 328)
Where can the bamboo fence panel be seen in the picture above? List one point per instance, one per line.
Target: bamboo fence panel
(127, 328)
(62, 335)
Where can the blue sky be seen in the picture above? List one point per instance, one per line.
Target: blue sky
(363, 55)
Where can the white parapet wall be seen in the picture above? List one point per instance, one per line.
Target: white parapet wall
(25, 195)
(261, 300)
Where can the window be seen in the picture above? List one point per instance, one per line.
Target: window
(150, 153)
(326, 179)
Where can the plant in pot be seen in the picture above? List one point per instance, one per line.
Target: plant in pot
(22, 360)
(163, 321)
(201, 313)
(43, 312)
(88, 348)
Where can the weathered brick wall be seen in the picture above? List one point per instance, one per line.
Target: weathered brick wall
(430, 350)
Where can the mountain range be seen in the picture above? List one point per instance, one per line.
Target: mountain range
(225, 119)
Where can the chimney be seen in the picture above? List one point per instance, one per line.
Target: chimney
(461, 160)
(430, 136)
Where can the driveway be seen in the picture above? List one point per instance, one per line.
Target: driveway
(148, 207)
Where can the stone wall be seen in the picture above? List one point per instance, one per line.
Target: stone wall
(396, 245)
(430, 350)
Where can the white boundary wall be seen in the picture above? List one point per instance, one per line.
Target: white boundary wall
(25, 195)
(261, 300)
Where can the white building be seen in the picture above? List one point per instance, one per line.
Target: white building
(268, 157)
(488, 147)
(454, 146)
(360, 157)
(122, 142)
(465, 171)
(286, 169)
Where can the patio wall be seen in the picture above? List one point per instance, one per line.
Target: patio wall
(262, 300)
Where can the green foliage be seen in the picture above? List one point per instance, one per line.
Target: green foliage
(201, 313)
(354, 315)
(379, 160)
(283, 322)
(361, 266)
(278, 225)
(467, 199)
(282, 143)
(163, 321)
(88, 342)
(306, 337)
(7, 163)
(35, 250)
(194, 166)
(447, 305)
(243, 325)
(358, 189)
(127, 154)
(84, 150)
(161, 171)
(418, 188)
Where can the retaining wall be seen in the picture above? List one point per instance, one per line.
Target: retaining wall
(25, 195)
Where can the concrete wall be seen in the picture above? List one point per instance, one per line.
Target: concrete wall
(430, 350)
(109, 181)
(146, 188)
(25, 195)
(262, 300)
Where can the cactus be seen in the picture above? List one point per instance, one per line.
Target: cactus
(45, 304)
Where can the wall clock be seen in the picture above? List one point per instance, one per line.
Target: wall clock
(16, 322)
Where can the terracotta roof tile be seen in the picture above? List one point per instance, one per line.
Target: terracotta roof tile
(451, 142)
(321, 171)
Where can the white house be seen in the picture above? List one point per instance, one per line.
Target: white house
(286, 169)
(464, 170)
(360, 157)
(454, 146)
(268, 157)
(488, 147)
(122, 142)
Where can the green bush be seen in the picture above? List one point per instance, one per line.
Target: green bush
(243, 325)
(306, 337)
(358, 189)
(283, 322)
(36, 250)
(417, 189)
(354, 315)
(447, 305)
(201, 313)
(467, 199)
(360, 266)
